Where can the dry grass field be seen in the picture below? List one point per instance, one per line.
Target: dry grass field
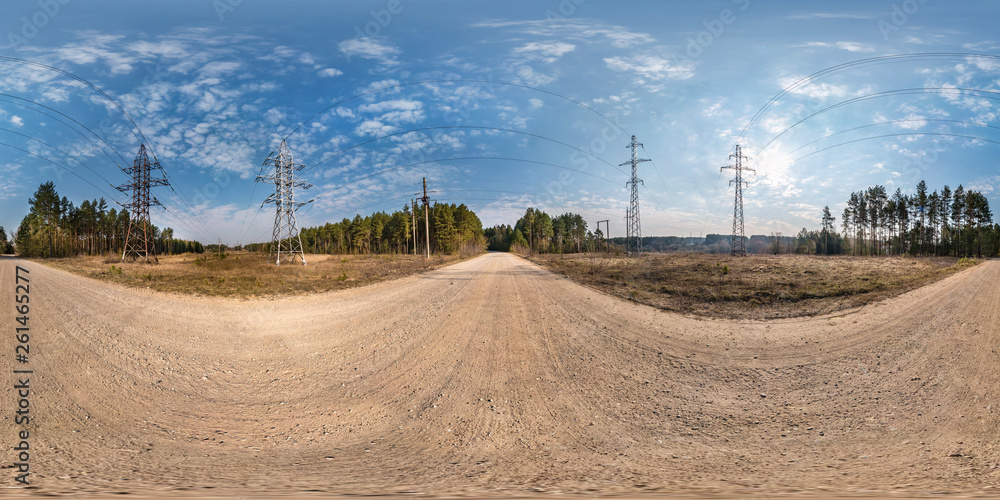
(752, 287)
(248, 275)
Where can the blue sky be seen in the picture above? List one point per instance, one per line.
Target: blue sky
(501, 105)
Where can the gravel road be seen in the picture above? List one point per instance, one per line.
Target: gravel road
(494, 376)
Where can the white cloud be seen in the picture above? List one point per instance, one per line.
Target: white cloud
(848, 46)
(791, 191)
(574, 29)
(984, 64)
(374, 128)
(379, 85)
(10, 184)
(96, 49)
(651, 67)
(216, 69)
(16, 121)
(401, 117)
(370, 48)
(536, 104)
(986, 186)
(393, 105)
(307, 58)
(548, 52)
(330, 72)
(167, 49)
(532, 77)
(713, 107)
(829, 15)
(913, 121)
(275, 116)
(813, 90)
(621, 38)
(982, 47)
(396, 111)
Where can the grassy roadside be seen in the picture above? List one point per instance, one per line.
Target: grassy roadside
(753, 287)
(248, 275)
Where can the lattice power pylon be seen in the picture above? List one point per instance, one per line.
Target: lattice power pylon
(139, 238)
(286, 242)
(738, 246)
(633, 229)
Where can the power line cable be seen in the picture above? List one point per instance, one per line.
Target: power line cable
(464, 127)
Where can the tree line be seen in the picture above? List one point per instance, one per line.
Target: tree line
(56, 227)
(5, 245)
(537, 231)
(943, 223)
(453, 228)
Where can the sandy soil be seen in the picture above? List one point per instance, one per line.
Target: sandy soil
(495, 377)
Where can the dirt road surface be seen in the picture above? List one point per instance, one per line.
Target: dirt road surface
(495, 377)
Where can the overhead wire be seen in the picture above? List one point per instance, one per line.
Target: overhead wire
(464, 127)
(446, 127)
(839, 68)
(991, 94)
(443, 160)
(426, 82)
(851, 65)
(461, 158)
(657, 171)
(64, 123)
(136, 130)
(67, 155)
(907, 134)
(453, 80)
(67, 169)
(892, 122)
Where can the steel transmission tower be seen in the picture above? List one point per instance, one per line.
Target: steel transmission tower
(286, 242)
(633, 230)
(738, 246)
(139, 238)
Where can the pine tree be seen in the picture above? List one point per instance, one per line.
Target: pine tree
(828, 227)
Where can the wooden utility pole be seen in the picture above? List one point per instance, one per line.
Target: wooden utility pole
(607, 235)
(427, 224)
(413, 217)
